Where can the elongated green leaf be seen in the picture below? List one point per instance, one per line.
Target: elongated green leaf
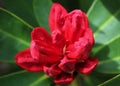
(24, 78)
(22, 8)
(104, 16)
(115, 81)
(14, 35)
(41, 10)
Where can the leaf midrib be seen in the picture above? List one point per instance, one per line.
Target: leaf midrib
(39, 80)
(21, 20)
(110, 80)
(105, 23)
(14, 37)
(34, 83)
(18, 18)
(91, 8)
(107, 43)
(109, 60)
(19, 72)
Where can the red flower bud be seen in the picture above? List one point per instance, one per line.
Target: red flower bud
(64, 52)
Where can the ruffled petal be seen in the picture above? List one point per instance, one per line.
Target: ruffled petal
(64, 78)
(42, 50)
(56, 18)
(80, 50)
(75, 25)
(25, 60)
(41, 34)
(52, 71)
(87, 66)
(67, 65)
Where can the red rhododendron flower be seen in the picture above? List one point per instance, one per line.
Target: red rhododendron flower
(63, 52)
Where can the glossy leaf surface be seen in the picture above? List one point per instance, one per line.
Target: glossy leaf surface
(104, 17)
(14, 35)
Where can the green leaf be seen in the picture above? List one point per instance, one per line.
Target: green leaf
(104, 17)
(22, 8)
(41, 10)
(76, 82)
(14, 35)
(24, 78)
(85, 4)
(90, 81)
(115, 81)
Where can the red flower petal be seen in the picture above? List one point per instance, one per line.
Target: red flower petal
(67, 65)
(64, 78)
(58, 39)
(56, 18)
(79, 50)
(42, 50)
(89, 35)
(87, 66)
(53, 71)
(41, 34)
(75, 24)
(25, 60)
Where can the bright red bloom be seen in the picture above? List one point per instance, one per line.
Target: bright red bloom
(64, 52)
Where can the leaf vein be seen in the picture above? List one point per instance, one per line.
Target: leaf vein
(109, 60)
(91, 8)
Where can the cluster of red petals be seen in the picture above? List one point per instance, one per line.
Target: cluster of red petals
(63, 52)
